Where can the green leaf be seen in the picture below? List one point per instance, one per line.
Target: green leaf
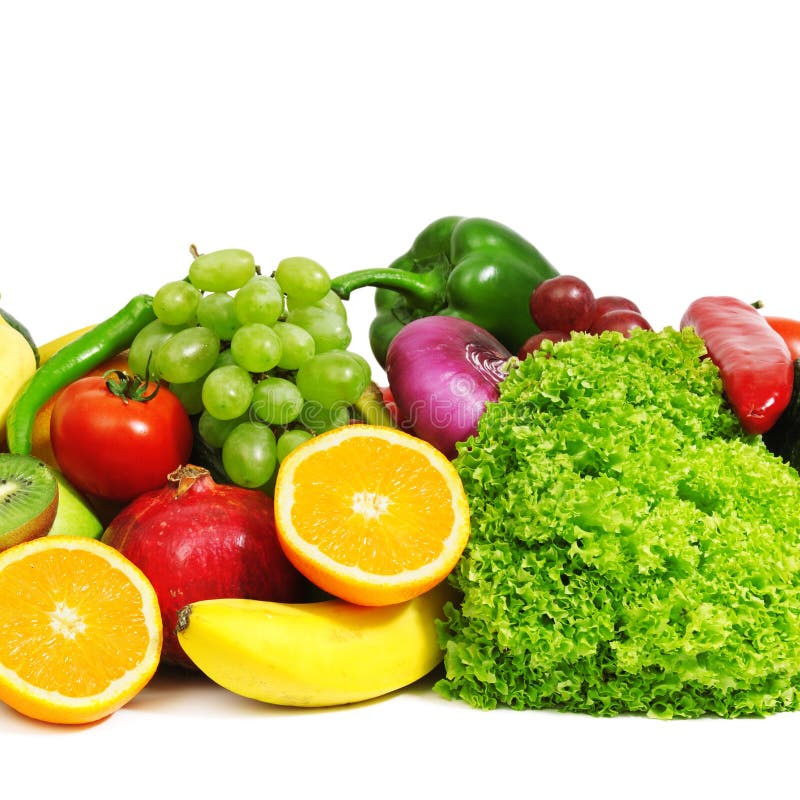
(632, 551)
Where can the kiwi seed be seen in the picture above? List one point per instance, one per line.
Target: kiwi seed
(28, 498)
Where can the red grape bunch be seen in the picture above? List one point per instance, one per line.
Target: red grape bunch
(566, 303)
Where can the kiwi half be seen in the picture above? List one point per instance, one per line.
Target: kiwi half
(28, 499)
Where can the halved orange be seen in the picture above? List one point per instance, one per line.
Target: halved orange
(80, 629)
(370, 514)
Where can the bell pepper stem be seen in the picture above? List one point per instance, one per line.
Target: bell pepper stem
(423, 289)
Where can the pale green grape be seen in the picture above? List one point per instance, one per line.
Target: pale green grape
(297, 345)
(224, 358)
(328, 329)
(175, 303)
(190, 395)
(277, 401)
(259, 300)
(332, 377)
(362, 362)
(222, 270)
(216, 311)
(215, 431)
(291, 439)
(330, 302)
(188, 355)
(146, 344)
(318, 419)
(304, 280)
(256, 347)
(227, 392)
(249, 454)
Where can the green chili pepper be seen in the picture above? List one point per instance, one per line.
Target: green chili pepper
(470, 267)
(73, 361)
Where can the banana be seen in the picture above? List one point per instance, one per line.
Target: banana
(47, 350)
(17, 365)
(314, 654)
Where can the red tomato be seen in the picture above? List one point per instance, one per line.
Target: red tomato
(388, 401)
(789, 331)
(391, 407)
(114, 447)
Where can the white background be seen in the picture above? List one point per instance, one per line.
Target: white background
(651, 148)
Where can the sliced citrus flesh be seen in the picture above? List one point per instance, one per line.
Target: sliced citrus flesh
(369, 514)
(80, 629)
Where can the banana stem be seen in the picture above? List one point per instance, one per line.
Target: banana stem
(372, 409)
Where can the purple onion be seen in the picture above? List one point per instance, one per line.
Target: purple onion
(442, 371)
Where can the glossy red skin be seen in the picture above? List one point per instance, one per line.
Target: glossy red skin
(114, 449)
(611, 302)
(535, 342)
(623, 320)
(563, 303)
(207, 541)
(391, 407)
(789, 331)
(388, 401)
(754, 361)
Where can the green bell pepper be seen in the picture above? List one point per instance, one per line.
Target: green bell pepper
(465, 267)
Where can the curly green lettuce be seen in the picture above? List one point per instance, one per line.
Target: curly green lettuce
(632, 551)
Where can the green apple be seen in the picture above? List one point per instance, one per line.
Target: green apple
(74, 516)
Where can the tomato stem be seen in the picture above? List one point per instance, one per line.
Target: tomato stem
(132, 387)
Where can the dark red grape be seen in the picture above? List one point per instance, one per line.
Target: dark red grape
(611, 302)
(621, 319)
(535, 341)
(563, 303)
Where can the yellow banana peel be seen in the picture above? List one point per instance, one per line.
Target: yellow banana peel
(17, 365)
(314, 654)
(47, 350)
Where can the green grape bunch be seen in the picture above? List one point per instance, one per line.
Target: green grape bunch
(260, 361)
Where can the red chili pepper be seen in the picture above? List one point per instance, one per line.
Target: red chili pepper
(754, 362)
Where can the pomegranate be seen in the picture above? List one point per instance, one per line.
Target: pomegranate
(196, 539)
